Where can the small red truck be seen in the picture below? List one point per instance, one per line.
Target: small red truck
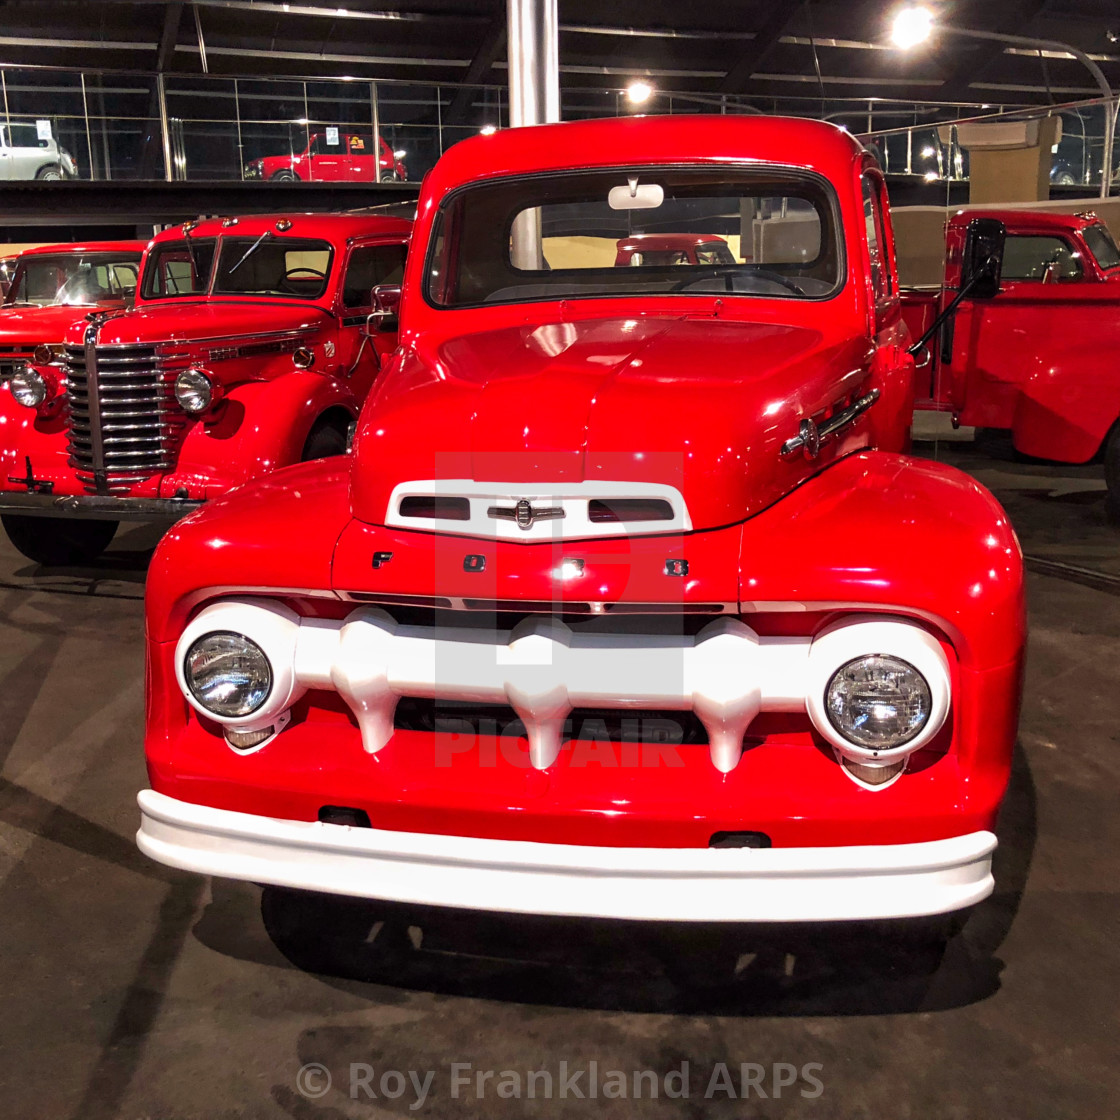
(628, 600)
(334, 156)
(51, 286)
(252, 344)
(1039, 358)
(672, 248)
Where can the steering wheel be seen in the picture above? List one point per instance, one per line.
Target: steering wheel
(729, 271)
(303, 272)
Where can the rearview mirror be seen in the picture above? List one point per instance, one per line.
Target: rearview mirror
(386, 298)
(636, 196)
(982, 263)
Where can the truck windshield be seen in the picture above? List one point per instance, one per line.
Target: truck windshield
(634, 232)
(177, 268)
(277, 266)
(48, 280)
(1102, 246)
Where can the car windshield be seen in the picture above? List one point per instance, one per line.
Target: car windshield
(50, 280)
(1102, 246)
(584, 234)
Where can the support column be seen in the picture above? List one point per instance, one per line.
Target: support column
(534, 61)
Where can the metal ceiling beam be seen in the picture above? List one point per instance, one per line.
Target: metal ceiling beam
(969, 65)
(489, 51)
(778, 18)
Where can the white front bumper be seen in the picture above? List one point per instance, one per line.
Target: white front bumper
(662, 884)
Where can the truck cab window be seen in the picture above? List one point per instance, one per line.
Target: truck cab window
(369, 266)
(1102, 246)
(1040, 259)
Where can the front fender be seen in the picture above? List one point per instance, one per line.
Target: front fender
(260, 426)
(1066, 408)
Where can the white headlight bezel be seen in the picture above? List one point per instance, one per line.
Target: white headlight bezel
(865, 636)
(272, 627)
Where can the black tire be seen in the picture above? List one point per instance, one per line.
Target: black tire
(1065, 179)
(58, 541)
(390, 177)
(284, 177)
(52, 172)
(325, 440)
(1112, 471)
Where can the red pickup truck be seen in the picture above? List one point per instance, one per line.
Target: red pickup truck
(52, 285)
(628, 601)
(1040, 357)
(252, 344)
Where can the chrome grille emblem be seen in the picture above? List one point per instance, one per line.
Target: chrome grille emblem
(523, 515)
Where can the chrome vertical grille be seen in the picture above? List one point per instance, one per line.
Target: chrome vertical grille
(124, 422)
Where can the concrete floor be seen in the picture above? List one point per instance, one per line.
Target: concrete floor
(131, 991)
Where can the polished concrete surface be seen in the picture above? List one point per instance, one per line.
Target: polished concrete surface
(131, 991)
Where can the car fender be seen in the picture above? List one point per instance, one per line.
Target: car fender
(1066, 408)
(260, 426)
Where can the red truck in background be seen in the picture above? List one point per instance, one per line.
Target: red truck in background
(52, 285)
(656, 524)
(1041, 358)
(252, 344)
(334, 156)
(652, 249)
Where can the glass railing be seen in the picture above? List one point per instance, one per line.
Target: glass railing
(135, 126)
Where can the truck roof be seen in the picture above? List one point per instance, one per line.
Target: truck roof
(333, 227)
(87, 247)
(1034, 219)
(616, 141)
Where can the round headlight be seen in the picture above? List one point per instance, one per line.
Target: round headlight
(878, 702)
(228, 674)
(194, 391)
(28, 386)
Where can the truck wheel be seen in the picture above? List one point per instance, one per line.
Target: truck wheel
(56, 541)
(1112, 471)
(284, 177)
(52, 172)
(390, 177)
(325, 440)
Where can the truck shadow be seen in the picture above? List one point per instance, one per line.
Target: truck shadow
(673, 967)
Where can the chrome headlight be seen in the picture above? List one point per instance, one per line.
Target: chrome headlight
(878, 702)
(194, 391)
(28, 386)
(227, 674)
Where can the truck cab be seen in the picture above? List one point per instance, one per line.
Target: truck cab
(251, 344)
(50, 286)
(1039, 358)
(628, 601)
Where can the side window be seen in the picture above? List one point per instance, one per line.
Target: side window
(876, 240)
(1041, 259)
(369, 266)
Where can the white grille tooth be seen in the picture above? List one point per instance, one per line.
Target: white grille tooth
(536, 689)
(360, 673)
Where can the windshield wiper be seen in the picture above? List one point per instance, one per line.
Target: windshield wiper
(250, 251)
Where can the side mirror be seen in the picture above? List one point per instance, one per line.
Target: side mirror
(983, 258)
(385, 299)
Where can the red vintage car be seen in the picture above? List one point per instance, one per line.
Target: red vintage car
(646, 249)
(1038, 359)
(629, 600)
(251, 345)
(52, 285)
(333, 156)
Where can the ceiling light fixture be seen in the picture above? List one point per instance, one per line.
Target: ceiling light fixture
(639, 92)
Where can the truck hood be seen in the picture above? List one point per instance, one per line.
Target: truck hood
(194, 321)
(699, 404)
(45, 324)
